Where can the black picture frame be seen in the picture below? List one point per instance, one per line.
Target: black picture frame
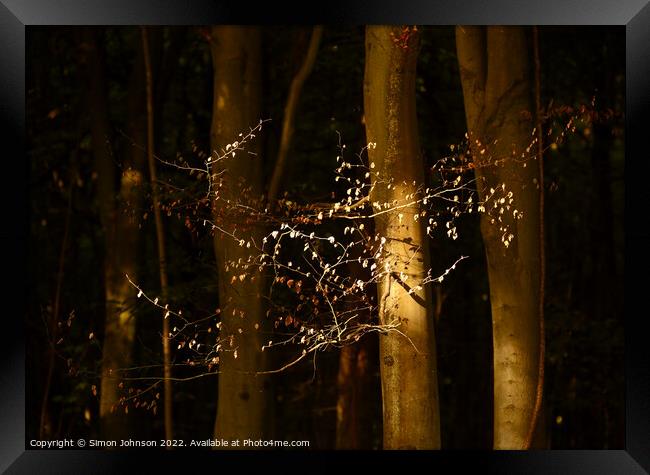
(18, 15)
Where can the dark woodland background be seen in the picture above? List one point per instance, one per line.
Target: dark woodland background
(584, 394)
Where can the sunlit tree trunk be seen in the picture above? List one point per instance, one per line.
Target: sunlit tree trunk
(494, 66)
(244, 396)
(408, 362)
(119, 208)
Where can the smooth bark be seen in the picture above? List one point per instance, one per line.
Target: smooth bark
(411, 417)
(494, 67)
(244, 396)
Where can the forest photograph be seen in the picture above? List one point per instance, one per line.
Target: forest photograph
(379, 237)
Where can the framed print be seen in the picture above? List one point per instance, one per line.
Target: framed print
(249, 234)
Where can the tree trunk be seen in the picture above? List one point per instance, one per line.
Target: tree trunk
(354, 408)
(494, 68)
(408, 362)
(120, 226)
(244, 403)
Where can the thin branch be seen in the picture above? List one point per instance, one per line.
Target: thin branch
(290, 111)
(55, 314)
(160, 234)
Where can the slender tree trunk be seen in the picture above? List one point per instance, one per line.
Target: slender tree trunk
(408, 362)
(244, 404)
(160, 238)
(45, 428)
(494, 67)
